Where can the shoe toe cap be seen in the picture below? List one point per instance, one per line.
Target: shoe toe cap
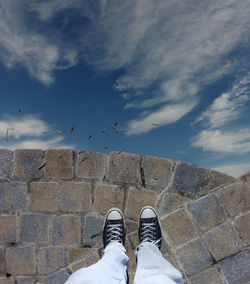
(148, 212)
(114, 215)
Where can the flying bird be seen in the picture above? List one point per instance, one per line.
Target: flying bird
(19, 110)
(90, 136)
(72, 129)
(106, 147)
(115, 127)
(155, 124)
(104, 130)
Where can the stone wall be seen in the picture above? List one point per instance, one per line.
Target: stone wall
(53, 203)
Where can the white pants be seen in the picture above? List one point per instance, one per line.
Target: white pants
(152, 268)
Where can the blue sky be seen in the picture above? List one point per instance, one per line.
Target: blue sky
(174, 75)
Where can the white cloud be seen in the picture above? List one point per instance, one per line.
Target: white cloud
(165, 115)
(228, 106)
(235, 170)
(236, 141)
(29, 131)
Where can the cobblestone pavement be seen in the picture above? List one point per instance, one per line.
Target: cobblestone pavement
(53, 202)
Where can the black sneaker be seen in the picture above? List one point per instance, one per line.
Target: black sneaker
(113, 230)
(149, 227)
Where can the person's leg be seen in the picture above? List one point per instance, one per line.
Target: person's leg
(112, 267)
(152, 267)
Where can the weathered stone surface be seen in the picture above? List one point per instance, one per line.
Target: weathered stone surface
(131, 226)
(190, 180)
(123, 168)
(6, 164)
(75, 254)
(194, 257)
(223, 241)
(216, 179)
(44, 196)
(237, 268)
(236, 198)
(93, 226)
(57, 277)
(245, 178)
(59, 164)
(2, 196)
(157, 171)
(8, 231)
(66, 230)
(27, 163)
(210, 276)
(108, 196)
(26, 280)
(90, 259)
(14, 196)
(137, 199)
(91, 165)
(76, 196)
(34, 228)
(207, 212)
(171, 201)
(2, 260)
(243, 225)
(50, 259)
(179, 227)
(21, 261)
(6, 280)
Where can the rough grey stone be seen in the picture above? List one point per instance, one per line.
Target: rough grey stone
(190, 180)
(6, 164)
(223, 241)
(93, 226)
(34, 228)
(123, 168)
(57, 277)
(14, 196)
(91, 165)
(194, 257)
(210, 276)
(8, 230)
(207, 212)
(2, 196)
(26, 280)
(217, 179)
(237, 268)
(2, 260)
(157, 171)
(28, 162)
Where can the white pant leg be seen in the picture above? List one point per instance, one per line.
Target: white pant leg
(110, 269)
(153, 268)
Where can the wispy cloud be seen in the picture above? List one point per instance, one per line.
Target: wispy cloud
(218, 137)
(235, 170)
(29, 131)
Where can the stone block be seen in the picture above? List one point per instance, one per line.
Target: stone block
(223, 241)
(209, 276)
(14, 196)
(66, 230)
(27, 163)
(6, 164)
(171, 201)
(34, 228)
(8, 230)
(137, 199)
(90, 259)
(216, 179)
(93, 226)
(194, 257)
(26, 280)
(75, 254)
(44, 196)
(157, 171)
(76, 196)
(59, 164)
(243, 226)
(236, 198)
(123, 168)
(237, 268)
(190, 180)
(2, 196)
(57, 277)
(2, 260)
(108, 196)
(21, 261)
(50, 259)
(207, 212)
(179, 227)
(131, 226)
(245, 178)
(6, 280)
(91, 165)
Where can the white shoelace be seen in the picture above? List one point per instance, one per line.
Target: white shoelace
(114, 232)
(148, 229)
